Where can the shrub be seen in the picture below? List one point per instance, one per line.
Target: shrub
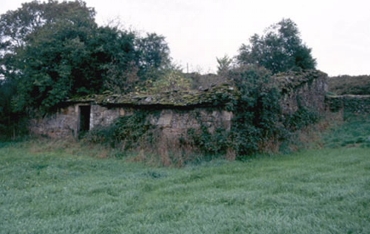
(209, 143)
(300, 119)
(127, 132)
(257, 111)
(258, 122)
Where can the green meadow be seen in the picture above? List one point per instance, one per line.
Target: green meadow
(49, 189)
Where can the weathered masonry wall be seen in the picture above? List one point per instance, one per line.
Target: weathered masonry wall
(359, 104)
(172, 121)
(67, 121)
(306, 90)
(62, 124)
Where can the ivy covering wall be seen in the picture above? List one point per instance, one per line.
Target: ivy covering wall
(357, 104)
(254, 97)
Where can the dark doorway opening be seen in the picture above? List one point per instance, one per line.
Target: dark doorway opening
(84, 120)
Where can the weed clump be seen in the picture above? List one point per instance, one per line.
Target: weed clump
(127, 132)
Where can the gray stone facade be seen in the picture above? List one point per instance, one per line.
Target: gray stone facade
(172, 122)
(62, 124)
(310, 95)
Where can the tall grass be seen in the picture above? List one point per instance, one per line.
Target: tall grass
(353, 132)
(45, 189)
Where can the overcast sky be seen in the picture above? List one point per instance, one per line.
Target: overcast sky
(198, 31)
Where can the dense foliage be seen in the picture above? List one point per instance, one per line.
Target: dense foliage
(349, 104)
(280, 49)
(154, 55)
(258, 123)
(126, 133)
(54, 51)
(257, 113)
(12, 123)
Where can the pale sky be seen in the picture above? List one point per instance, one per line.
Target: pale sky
(198, 31)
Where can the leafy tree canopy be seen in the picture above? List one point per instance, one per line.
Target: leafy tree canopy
(280, 49)
(154, 55)
(54, 51)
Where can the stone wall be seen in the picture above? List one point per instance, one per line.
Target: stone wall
(357, 104)
(171, 121)
(63, 124)
(174, 122)
(305, 90)
(103, 116)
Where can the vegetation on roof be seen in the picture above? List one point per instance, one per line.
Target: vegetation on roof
(289, 81)
(217, 95)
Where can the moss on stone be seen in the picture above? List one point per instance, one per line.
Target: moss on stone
(169, 98)
(216, 95)
(290, 81)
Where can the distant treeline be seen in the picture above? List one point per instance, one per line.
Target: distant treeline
(345, 84)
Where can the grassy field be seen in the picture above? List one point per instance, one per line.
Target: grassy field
(44, 189)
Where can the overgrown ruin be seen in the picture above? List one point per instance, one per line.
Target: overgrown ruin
(175, 112)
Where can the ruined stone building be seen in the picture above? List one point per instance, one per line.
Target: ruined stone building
(174, 112)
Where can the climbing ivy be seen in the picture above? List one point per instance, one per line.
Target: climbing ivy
(209, 143)
(127, 132)
(258, 117)
(257, 121)
(257, 112)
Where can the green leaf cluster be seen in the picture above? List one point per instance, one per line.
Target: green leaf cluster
(257, 112)
(12, 123)
(280, 49)
(170, 80)
(258, 123)
(55, 51)
(126, 133)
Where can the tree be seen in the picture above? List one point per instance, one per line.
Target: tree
(17, 26)
(54, 60)
(224, 65)
(153, 56)
(280, 49)
(257, 110)
(41, 44)
(119, 59)
(61, 53)
(54, 51)
(12, 123)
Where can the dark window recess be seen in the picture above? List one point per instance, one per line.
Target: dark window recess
(84, 119)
